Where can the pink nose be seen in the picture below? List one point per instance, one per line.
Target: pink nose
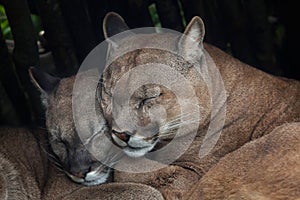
(123, 136)
(79, 174)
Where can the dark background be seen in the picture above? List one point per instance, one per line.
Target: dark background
(261, 33)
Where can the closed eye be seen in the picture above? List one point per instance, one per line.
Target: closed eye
(61, 141)
(148, 99)
(59, 148)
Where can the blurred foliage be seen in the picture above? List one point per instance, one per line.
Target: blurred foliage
(280, 33)
(4, 24)
(6, 28)
(154, 15)
(181, 13)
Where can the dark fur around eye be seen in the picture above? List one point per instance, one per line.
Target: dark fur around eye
(148, 99)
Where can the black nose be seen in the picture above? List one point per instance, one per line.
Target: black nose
(123, 135)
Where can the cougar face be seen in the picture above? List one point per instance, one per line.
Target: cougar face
(70, 152)
(152, 123)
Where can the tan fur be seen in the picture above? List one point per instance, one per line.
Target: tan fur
(173, 182)
(267, 168)
(257, 103)
(32, 177)
(23, 168)
(25, 173)
(239, 175)
(69, 150)
(264, 169)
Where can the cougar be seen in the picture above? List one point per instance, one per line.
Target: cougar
(29, 169)
(256, 102)
(70, 152)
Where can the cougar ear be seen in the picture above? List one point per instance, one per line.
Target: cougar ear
(191, 43)
(113, 24)
(44, 82)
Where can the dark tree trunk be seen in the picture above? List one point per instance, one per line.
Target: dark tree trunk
(79, 23)
(169, 14)
(135, 12)
(12, 99)
(8, 114)
(138, 14)
(97, 11)
(286, 12)
(25, 53)
(261, 37)
(58, 37)
(235, 21)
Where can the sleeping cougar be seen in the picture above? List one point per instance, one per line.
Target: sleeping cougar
(70, 153)
(256, 102)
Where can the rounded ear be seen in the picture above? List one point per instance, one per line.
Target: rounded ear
(44, 82)
(191, 43)
(113, 24)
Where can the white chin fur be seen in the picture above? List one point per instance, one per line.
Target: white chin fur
(92, 178)
(97, 181)
(137, 152)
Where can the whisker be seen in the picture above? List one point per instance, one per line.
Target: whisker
(165, 135)
(100, 168)
(183, 123)
(59, 169)
(112, 159)
(48, 130)
(57, 165)
(48, 153)
(97, 81)
(45, 131)
(178, 119)
(53, 159)
(169, 127)
(179, 125)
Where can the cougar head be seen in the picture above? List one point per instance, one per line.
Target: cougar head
(155, 112)
(70, 152)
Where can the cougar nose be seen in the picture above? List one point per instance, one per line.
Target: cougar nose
(123, 136)
(120, 138)
(81, 174)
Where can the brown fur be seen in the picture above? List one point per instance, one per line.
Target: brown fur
(31, 176)
(23, 168)
(267, 168)
(25, 173)
(69, 152)
(257, 102)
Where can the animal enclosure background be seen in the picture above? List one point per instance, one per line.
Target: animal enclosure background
(56, 35)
